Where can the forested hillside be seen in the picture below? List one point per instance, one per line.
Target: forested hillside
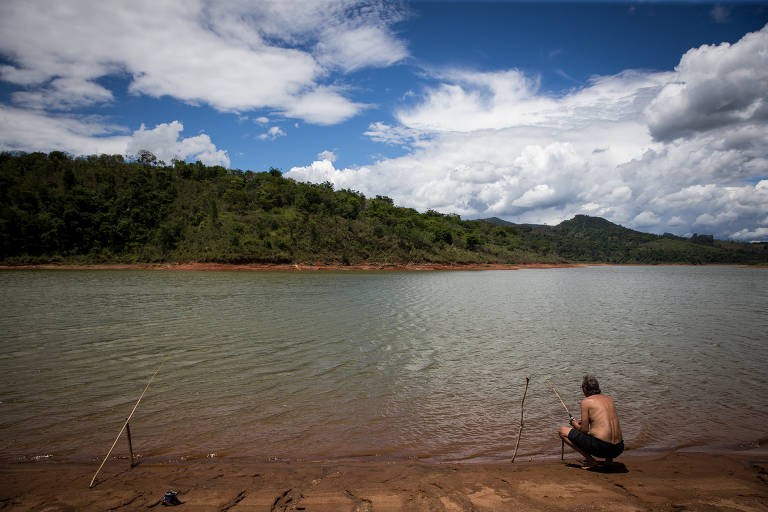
(100, 209)
(593, 239)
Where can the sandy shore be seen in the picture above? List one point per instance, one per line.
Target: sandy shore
(669, 482)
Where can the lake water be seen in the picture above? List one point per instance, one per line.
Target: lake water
(377, 365)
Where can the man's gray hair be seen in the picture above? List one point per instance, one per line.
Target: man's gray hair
(590, 385)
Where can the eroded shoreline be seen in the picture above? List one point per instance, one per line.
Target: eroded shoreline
(320, 267)
(268, 267)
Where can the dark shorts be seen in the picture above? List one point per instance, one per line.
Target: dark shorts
(594, 446)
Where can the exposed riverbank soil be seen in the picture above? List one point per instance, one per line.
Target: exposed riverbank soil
(670, 482)
(292, 267)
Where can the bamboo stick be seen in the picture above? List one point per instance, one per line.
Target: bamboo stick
(125, 425)
(519, 432)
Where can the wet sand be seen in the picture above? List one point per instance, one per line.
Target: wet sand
(668, 482)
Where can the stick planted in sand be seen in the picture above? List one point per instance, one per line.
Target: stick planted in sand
(125, 425)
(519, 432)
(130, 444)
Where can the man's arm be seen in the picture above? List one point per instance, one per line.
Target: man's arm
(583, 422)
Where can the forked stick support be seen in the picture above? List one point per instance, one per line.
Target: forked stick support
(522, 405)
(130, 444)
(125, 426)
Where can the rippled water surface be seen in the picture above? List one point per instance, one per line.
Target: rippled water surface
(323, 366)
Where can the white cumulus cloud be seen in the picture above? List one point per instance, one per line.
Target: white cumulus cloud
(165, 142)
(646, 218)
(714, 87)
(676, 151)
(24, 130)
(63, 94)
(327, 155)
(234, 56)
(33, 130)
(273, 133)
(360, 47)
(756, 235)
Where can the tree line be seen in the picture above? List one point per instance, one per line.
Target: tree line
(107, 209)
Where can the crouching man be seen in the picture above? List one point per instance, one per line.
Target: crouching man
(597, 432)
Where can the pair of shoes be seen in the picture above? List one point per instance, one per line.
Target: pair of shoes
(170, 499)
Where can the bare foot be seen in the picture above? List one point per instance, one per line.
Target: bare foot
(590, 463)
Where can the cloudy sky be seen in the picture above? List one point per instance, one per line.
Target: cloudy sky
(653, 115)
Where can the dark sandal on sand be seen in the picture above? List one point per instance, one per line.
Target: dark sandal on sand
(171, 499)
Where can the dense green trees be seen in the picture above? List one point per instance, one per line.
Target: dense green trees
(56, 208)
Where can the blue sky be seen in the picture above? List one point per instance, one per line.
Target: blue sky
(650, 114)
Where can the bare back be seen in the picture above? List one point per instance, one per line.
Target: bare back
(599, 413)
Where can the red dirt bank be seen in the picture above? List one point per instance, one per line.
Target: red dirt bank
(266, 267)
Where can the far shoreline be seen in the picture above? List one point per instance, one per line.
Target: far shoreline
(323, 267)
(288, 267)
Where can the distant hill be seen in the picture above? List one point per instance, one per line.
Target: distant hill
(594, 239)
(104, 209)
(498, 221)
(501, 222)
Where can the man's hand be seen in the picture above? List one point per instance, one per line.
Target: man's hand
(576, 424)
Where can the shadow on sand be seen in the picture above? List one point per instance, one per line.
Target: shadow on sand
(610, 467)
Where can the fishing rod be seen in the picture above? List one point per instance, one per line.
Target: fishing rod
(93, 480)
(561, 400)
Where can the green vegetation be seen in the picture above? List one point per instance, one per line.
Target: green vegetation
(592, 239)
(99, 209)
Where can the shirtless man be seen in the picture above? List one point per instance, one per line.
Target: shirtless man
(597, 432)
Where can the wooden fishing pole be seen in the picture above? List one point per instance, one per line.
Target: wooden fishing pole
(562, 442)
(561, 400)
(519, 432)
(125, 425)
